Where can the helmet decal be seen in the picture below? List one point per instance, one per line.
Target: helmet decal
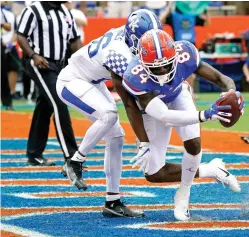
(137, 24)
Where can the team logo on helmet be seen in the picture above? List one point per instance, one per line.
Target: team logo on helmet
(144, 51)
(134, 24)
(169, 44)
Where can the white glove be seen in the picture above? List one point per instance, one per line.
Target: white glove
(142, 158)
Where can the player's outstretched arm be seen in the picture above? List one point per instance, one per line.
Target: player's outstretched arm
(209, 73)
(135, 117)
(224, 82)
(157, 109)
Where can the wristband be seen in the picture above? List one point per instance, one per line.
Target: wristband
(202, 116)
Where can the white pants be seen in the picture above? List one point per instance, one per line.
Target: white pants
(159, 134)
(90, 100)
(98, 105)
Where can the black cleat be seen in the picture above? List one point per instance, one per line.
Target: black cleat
(74, 173)
(118, 209)
(64, 170)
(40, 161)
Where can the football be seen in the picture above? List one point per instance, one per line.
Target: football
(230, 99)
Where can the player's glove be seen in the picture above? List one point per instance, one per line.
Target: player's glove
(215, 113)
(241, 101)
(142, 158)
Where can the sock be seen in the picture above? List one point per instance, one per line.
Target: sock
(78, 157)
(113, 163)
(184, 190)
(190, 165)
(111, 198)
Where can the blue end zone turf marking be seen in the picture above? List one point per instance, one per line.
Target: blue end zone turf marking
(90, 174)
(93, 224)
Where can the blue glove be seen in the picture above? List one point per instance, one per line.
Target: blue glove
(216, 113)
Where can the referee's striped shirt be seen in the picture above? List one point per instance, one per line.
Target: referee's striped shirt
(48, 29)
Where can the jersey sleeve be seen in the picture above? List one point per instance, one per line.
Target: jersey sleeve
(134, 84)
(27, 23)
(117, 58)
(192, 58)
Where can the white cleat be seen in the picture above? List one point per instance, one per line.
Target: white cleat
(223, 176)
(181, 211)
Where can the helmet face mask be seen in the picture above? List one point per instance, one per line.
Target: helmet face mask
(133, 44)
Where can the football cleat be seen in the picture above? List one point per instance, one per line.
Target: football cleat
(40, 161)
(118, 209)
(74, 173)
(64, 171)
(181, 211)
(221, 175)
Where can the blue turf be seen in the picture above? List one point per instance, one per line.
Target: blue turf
(92, 224)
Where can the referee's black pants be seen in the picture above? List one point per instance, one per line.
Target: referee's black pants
(48, 103)
(5, 88)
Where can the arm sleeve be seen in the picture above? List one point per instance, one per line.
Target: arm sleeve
(158, 110)
(27, 22)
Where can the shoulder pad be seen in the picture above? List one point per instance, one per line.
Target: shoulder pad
(136, 83)
(191, 57)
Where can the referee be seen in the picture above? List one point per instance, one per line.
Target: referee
(5, 89)
(44, 33)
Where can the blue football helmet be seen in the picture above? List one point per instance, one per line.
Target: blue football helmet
(137, 24)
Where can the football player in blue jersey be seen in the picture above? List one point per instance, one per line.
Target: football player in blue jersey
(156, 78)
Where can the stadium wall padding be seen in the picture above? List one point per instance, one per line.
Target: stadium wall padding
(234, 24)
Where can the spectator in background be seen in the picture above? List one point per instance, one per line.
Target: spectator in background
(5, 90)
(9, 40)
(119, 9)
(79, 17)
(245, 88)
(245, 69)
(183, 17)
(156, 6)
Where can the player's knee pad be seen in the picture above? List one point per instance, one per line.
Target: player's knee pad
(193, 146)
(109, 118)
